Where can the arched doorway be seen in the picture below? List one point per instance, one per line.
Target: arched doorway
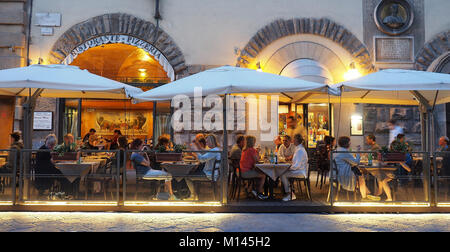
(318, 50)
(122, 47)
(127, 64)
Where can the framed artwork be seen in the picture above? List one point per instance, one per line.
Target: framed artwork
(356, 126)
(43, 120)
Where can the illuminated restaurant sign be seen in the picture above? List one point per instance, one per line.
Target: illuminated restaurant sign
(123, 39)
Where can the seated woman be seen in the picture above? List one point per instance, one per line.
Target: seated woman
(199, 143)
(163, 143)
(248, 161)
(142, 165)
(46, 171)
(209, 160)
(348, 176)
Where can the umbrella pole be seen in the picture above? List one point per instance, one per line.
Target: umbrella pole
(225, 154)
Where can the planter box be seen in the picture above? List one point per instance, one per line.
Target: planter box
(69, 156)
(161, 157)
(394, 156)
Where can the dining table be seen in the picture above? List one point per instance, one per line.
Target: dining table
(73, 170)
(180, 169)
(273, 172)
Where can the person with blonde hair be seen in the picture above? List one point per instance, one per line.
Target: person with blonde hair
(248, 170)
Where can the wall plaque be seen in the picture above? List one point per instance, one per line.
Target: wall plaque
(394, 49)
(43, 120)
(48, 19)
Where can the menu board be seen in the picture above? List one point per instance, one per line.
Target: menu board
(43, 121)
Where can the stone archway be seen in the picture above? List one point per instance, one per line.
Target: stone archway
(433, 50)
(117, 27)
(321, 27)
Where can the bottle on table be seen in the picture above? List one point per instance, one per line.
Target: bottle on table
(276, 157)
(369, 159)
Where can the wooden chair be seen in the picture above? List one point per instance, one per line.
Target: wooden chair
(306, 182)
(338, 186)
(232, 176)
(204, 179)
(240, 181)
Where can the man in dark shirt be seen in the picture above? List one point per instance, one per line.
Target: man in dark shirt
(46, 171)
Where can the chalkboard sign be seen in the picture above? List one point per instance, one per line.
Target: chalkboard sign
(43, 121)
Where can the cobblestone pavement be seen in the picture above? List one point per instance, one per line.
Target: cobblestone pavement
(177, 222)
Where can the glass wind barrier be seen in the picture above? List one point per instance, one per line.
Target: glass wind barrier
(85, 177)
(440, 167)
(9, 162)
(178, 178)
(380, 179)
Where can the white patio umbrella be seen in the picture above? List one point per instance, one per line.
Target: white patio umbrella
(61, 81)
(227, 80)
(399, 86)
(231, 80)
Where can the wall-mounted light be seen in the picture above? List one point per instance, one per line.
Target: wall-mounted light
(352, 73)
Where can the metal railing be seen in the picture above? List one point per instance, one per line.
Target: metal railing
(441, 177)
(427, 185)
(412, 175)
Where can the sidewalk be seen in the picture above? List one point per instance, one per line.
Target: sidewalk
(162, 222)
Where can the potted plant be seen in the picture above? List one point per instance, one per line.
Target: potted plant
(163, 155)
(60, 152)
(397, 152)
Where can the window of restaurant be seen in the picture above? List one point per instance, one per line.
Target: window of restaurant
(316, 125)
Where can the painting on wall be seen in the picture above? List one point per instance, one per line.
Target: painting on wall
(106, 121)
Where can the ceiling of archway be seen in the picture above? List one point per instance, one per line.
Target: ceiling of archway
(120, 61)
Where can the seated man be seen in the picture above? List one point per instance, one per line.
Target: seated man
(298, 169)
(348, 174)
(46, 171)
(286, 150)
(236, 151)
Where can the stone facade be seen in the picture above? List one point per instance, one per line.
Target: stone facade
(321, 27)
(13, 27)
(438, 46)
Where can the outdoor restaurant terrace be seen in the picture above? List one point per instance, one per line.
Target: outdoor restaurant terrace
(231, 154)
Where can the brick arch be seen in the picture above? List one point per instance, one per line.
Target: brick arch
(118, 24)
(436, 47)
(321, 27)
